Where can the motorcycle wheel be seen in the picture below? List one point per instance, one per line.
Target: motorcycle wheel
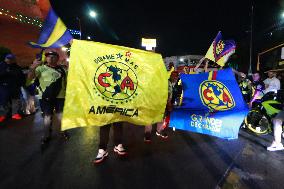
(257, 123)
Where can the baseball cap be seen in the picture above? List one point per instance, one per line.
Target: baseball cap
(10, 56)
(52, 53)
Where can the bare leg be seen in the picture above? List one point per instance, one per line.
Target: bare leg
(160, 126)
(148, 129)
(277, 127)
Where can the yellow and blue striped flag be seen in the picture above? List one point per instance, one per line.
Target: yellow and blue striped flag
(54, 33)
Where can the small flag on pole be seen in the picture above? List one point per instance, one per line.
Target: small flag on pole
(220, 50)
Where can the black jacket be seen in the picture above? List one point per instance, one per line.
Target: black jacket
(11, 75)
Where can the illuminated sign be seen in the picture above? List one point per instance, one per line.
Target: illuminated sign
(149, 43)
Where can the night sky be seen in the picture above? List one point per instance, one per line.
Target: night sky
(181, 27)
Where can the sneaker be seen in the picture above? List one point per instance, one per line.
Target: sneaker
(120, 150)
(27, 112)
(147, 137)
(17, 116)
(2, 118)
(101, 156)
(162, 134)
(275, 147)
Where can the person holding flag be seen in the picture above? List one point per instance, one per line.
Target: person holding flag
(52, 85)
(104, 138)
(211, 100)
(117, 84)
(51, 76)
(160, 130)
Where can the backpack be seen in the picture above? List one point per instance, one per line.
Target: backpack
(52, 91)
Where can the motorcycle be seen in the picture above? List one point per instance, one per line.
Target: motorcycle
(259, 118)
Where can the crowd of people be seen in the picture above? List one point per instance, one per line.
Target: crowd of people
(253, 89)
(253, 92)
(21, 87)
(17, 93)
(43, 84)
(47, 80)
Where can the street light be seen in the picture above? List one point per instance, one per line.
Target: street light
(79, 22)
(282, 15)
(93, 14)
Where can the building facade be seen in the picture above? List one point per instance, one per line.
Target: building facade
(21, 22)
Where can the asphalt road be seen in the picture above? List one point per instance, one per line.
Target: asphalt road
(186, 160)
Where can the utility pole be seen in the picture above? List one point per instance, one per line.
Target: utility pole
(80, 27)
(251, 40)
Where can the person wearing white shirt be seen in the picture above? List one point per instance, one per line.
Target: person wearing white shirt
(271, 83)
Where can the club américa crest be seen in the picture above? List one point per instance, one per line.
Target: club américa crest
(216, 96)
(220, 47)
(115, 78)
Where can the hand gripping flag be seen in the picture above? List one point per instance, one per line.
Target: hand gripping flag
(220, 50)
(54, 33)
(108, 83)
(212, 104)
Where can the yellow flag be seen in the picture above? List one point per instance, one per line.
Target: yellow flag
(108, 83)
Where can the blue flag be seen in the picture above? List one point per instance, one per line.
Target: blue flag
(212, 104)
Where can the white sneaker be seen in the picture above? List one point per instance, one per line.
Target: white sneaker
(119, 150)
(101, 155)
(275, 147)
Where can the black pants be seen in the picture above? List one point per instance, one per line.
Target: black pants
(9, 96)
(104, 135)
(47, 107)
(246, 97)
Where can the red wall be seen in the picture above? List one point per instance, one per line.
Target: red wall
(14, 34)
